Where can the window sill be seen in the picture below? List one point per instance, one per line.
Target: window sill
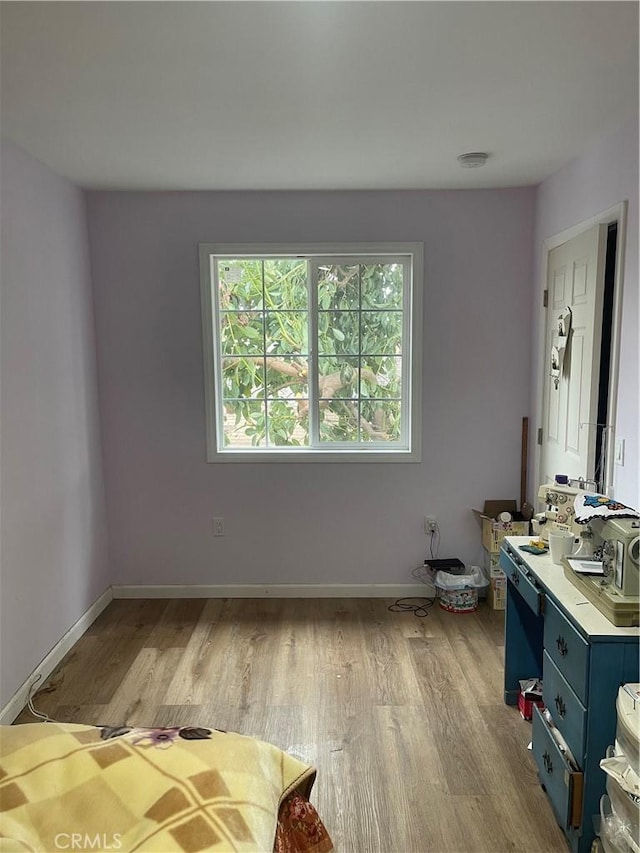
(304, 457)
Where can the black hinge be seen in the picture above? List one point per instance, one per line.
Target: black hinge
(539, 435)
(545, 298)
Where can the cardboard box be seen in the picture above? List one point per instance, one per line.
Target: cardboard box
(491, 565)
(493, 532)
(497, 593)
(525, 706)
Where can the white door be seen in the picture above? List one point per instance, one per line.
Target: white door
(575, 281)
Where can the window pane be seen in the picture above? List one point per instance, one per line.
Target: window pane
(381, 285)
(382, 332)
(241, 333)
(287, 332)
(288, 423)
(242, 377)
(339, 421)
(239, 284)
(337, 377)
(381, 376)
(338, 286)
(287, 377)
(338, 332)
(285, 283)
(380, 420)
(244, 424)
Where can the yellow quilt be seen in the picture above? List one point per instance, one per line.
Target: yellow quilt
(75, 787)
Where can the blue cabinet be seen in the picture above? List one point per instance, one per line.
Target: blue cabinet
(554, 633)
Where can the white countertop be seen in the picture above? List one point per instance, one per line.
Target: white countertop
(580, 609)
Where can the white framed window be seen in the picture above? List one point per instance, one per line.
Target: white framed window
(312, 352)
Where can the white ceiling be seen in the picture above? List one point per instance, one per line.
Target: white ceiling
(313, 95)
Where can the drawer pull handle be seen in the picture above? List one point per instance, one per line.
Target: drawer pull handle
(561, 708)
(548, 764)
(561, 643)
(515, 577)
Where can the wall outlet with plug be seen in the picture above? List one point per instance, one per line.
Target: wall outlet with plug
(430, 524)
(218, 526)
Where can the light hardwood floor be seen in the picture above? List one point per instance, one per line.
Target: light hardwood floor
(402, 716)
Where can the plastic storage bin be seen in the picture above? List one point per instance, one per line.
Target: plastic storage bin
(458, 600)
(628, 724)
(614, 835)
(625, 807)
(459, 593)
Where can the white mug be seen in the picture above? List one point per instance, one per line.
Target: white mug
(561, 544)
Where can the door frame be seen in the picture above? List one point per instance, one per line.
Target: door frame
(617, 213)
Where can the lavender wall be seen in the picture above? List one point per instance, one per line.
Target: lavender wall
(296, 522)
(601, 178)
(53, 529)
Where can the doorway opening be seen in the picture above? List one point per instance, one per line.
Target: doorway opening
(604, 430)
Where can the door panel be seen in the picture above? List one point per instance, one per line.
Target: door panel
(559, 287)
(553, 423)
(575, 411)
(580, 284)
(575, 280)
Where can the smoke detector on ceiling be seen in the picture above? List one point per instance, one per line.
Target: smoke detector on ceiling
(473, 160)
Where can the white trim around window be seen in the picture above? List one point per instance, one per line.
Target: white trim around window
(407, 445)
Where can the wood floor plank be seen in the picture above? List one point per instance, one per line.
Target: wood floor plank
(414, 777)
(201, 662)
(530, 815)
(89, 715)
(294, 674)
(144, 686)
(174, 629)
(478, 825)
(449, 714)
(478, 657)
(126, 616)
(390, 676)
(402, 716)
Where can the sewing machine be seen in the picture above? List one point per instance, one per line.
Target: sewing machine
(559, 509)
(619, 539)
(615, 592)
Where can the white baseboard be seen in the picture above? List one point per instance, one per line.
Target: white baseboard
(51, 661)
(279, 590)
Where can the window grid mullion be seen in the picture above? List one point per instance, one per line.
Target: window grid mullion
(359, 354)
(264, 357)
(313, 372)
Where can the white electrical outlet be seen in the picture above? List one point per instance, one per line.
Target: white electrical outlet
(430, 524)
(619, 451)
(218, 526)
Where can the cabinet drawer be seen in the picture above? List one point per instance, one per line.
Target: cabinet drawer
(568, 712)
(562, 784)
(516, 571)
(567, 649)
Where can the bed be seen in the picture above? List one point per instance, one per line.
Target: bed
(159, 790)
